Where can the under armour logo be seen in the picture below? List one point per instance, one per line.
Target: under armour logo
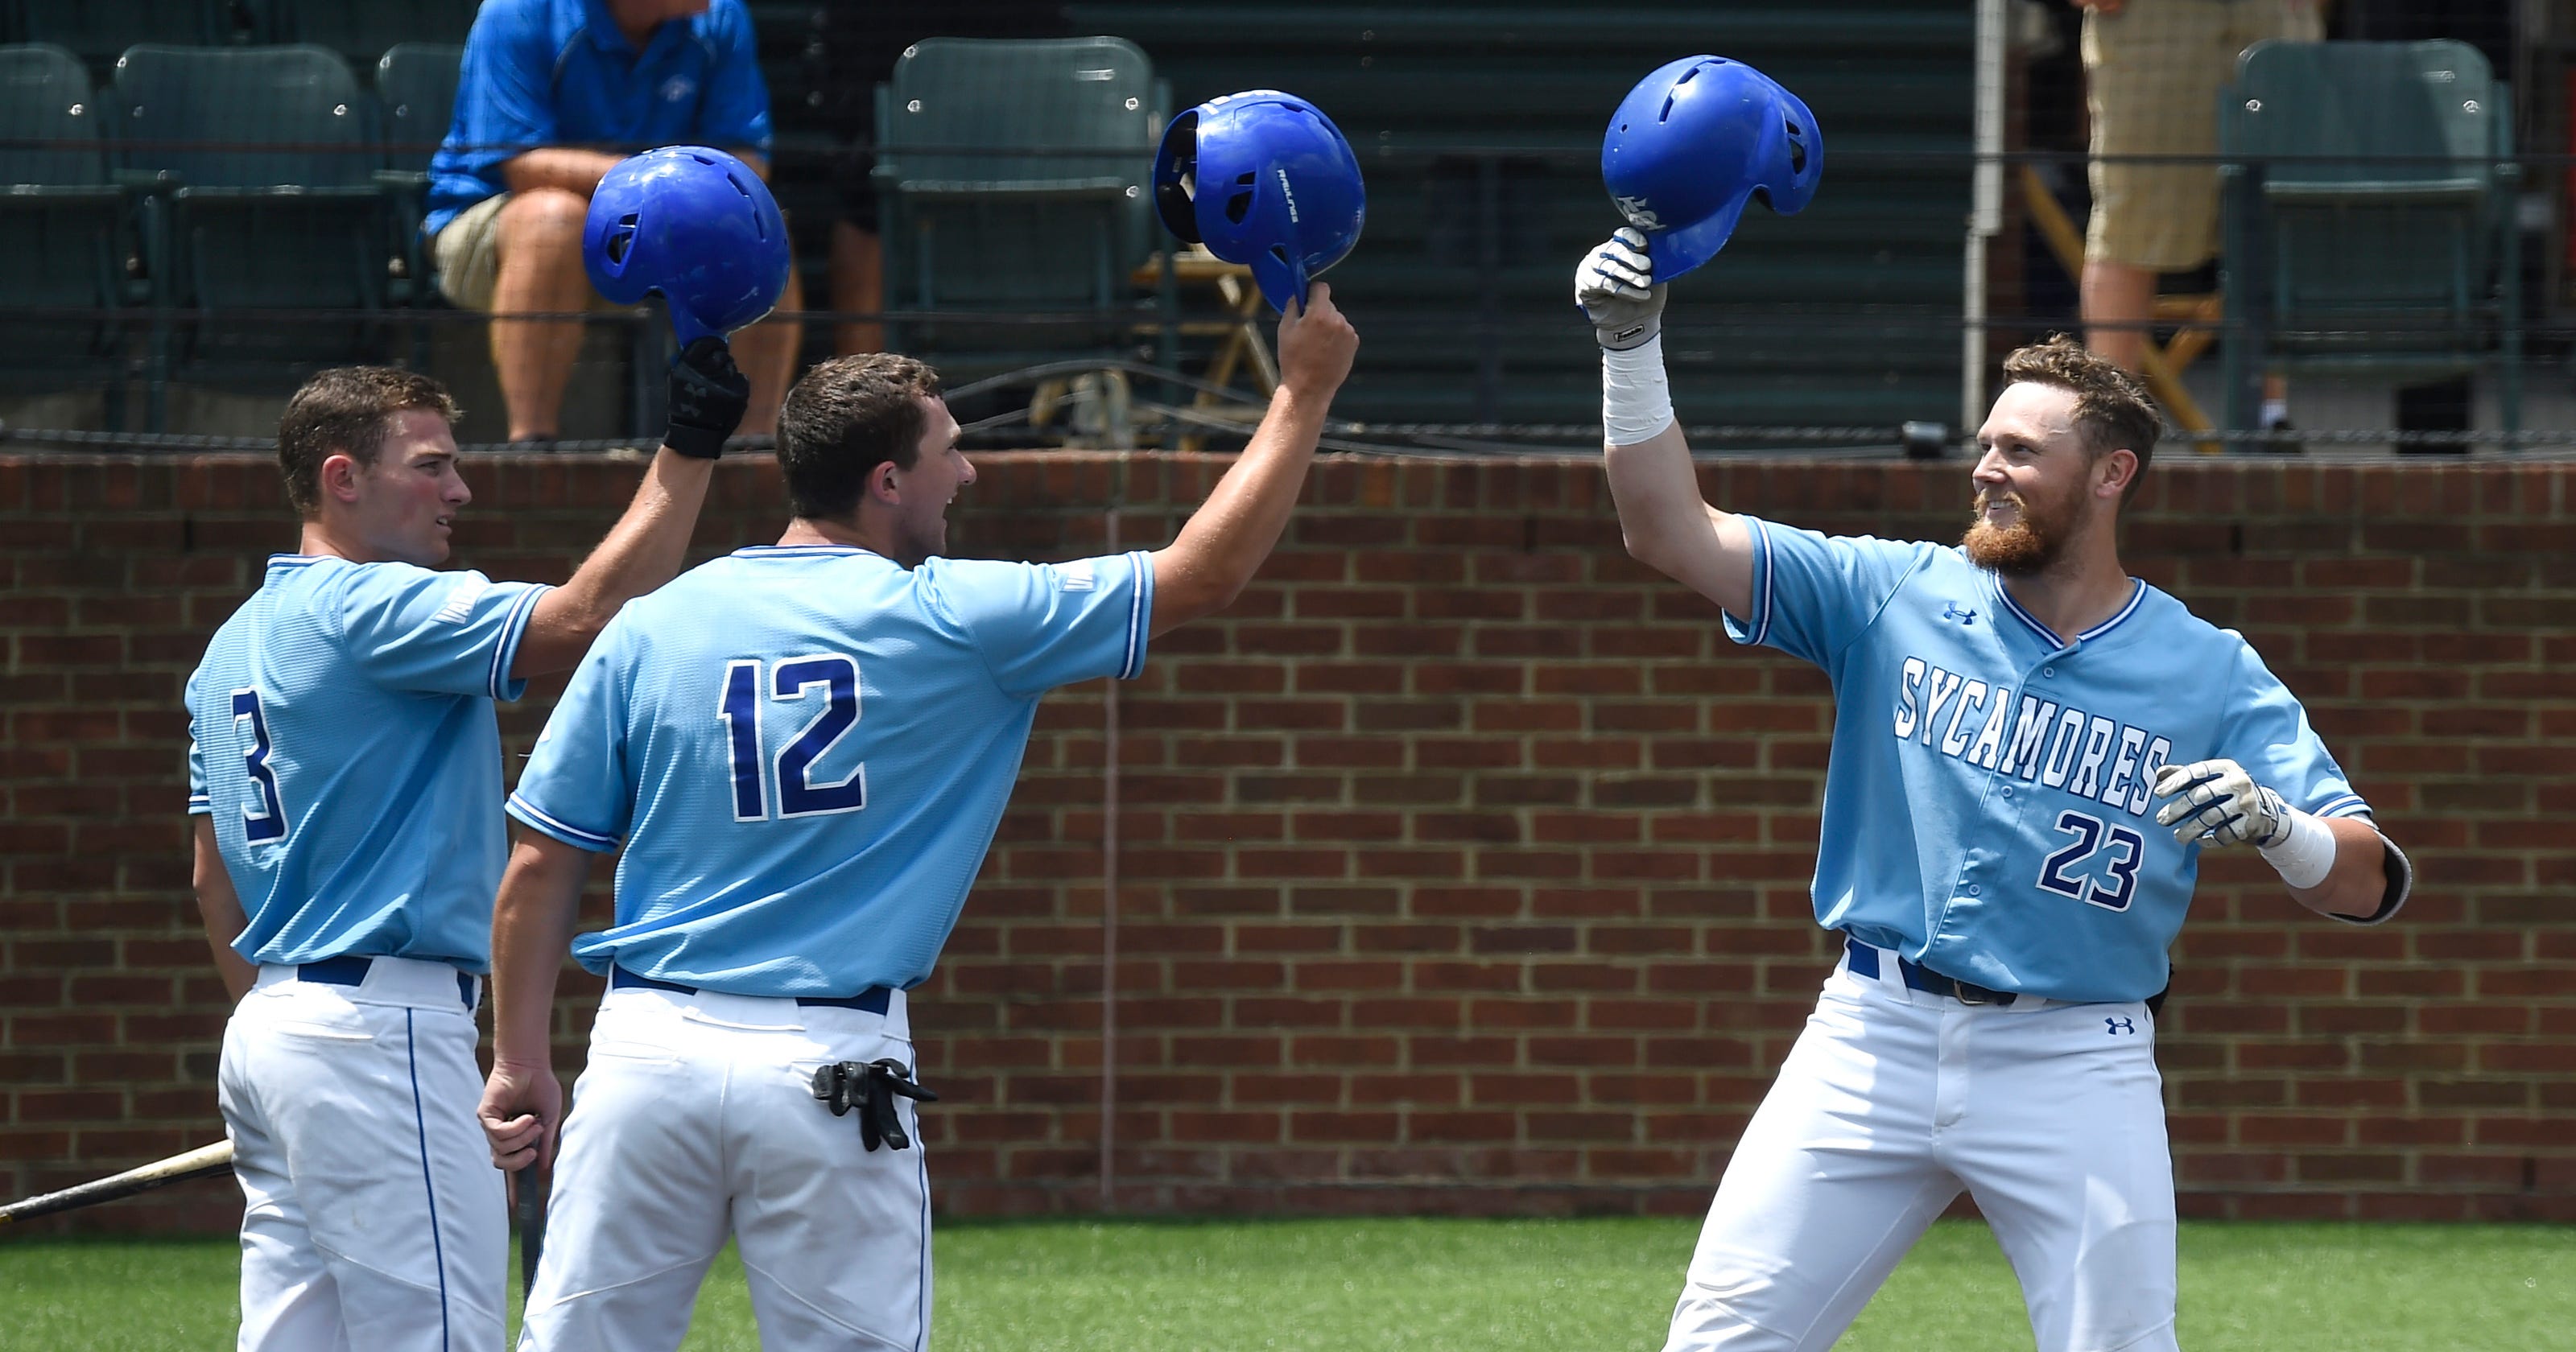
(1639, 214)
(1952, 610)
(2120, 1023)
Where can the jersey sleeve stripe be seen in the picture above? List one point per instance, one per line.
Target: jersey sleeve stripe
(2347, 805)
(198, 802)
(569, 834)
(1140, 611)
(512, 630)
(1761, 616)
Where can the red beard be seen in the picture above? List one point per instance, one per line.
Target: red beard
(2026, 546)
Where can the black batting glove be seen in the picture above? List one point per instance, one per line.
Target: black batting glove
(879, 1120)
(708, 398)
(872, 1089)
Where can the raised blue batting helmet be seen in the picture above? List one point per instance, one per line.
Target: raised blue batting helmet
(1692, 142)
(696, 225)
(1263, 179)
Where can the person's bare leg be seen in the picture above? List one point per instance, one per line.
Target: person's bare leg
(858, 287)
(2119, 301)
(540, 271)
(766, 352)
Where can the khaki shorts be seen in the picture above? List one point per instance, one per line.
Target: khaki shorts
(2152, 76)
(468, 253)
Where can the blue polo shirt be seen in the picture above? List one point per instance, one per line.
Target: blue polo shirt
(558, 72)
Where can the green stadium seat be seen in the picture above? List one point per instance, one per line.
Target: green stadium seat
(65, 229)
(416, 84)
(359, 29)
(1846, 314)
(2369, 215)
(262, 167)
(97, 31)
(416, 81)
(1012, 180)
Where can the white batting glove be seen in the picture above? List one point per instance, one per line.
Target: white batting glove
(1617, 289)
(2216, 803)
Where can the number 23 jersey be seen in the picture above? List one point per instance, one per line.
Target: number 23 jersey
(805, 751)
(1987, 807)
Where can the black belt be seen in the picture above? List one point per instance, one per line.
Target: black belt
(873, 1000)
(352, 971)
(1864, 962)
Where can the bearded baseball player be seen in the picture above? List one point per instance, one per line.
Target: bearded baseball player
(345, 773)
(803, 750)
(2031, 751)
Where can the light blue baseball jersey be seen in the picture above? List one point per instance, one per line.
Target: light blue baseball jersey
(806, 750)
(1987, 806)
(342, 737)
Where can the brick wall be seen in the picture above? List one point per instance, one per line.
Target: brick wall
(1462, 864)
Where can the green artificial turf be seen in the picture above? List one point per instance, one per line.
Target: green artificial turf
(1478, 1286)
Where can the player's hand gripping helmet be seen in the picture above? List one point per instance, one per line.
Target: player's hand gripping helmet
(694, 224)
(1692, 142)
(1263, 179)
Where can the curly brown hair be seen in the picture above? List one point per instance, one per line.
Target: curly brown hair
(347, 410)
(2112, 409)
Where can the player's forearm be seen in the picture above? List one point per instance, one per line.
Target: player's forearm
(642, 551)
(2358, 884)
(570, 168)
(532, 928)
(221, 910)
(1225, 541)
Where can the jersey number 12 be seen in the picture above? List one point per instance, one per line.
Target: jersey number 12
(836, 675)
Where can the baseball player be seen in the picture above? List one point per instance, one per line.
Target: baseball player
(346, 776)
(803, 750)
(2031, 750)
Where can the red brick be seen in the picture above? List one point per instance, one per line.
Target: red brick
(1484, 797)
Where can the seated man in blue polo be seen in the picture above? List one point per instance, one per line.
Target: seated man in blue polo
(553, 92)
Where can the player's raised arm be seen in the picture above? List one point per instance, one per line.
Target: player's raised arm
(1225, 540)
(708, 396)
(1666, 524)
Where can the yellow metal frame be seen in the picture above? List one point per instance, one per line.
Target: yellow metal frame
(2198, 315)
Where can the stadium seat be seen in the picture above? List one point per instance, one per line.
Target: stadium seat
(1479, 128)
(97, 31)
(359, 29)
(416, 83)
(1012, 178)
(65, 229)
(2369, 215)
(261, 163)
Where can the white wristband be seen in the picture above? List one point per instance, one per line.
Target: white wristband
(2304, 860)
(1636, 398)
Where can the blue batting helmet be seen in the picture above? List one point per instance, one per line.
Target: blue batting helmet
(696, 225)
(1696, 139)
(1263, 179)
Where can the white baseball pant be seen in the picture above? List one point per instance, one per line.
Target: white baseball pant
(1894, 1101)
(372, 1216)
(694, 1118)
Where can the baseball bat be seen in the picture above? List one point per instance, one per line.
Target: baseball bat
(531, 1208)
(198, 1163)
